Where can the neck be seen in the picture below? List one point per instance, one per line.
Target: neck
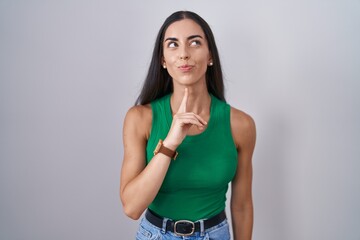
(199, 100)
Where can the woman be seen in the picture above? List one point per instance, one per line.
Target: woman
(183, 143)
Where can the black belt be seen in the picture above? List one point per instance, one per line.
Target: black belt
(184, 227)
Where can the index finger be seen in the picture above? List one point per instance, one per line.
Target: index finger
(182, 108)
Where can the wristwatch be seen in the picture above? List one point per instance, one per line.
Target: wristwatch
(160, 148)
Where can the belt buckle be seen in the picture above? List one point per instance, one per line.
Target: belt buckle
(178, 223)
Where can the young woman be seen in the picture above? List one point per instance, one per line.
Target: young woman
(183, 143)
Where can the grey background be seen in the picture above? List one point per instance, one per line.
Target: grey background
(69, 71)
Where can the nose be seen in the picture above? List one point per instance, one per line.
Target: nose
(184, 53)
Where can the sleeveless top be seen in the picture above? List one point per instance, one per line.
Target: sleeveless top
(196, 183)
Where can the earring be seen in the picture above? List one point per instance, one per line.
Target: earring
(211, 63)
(164, 66)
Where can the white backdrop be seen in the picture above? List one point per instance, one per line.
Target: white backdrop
(69, 70)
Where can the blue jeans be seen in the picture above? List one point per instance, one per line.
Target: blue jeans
(148, 231)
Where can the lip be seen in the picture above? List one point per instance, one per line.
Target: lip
(185, 68)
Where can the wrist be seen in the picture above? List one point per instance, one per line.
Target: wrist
(161, 148)
(170, 145)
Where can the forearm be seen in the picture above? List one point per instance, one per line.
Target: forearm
(137, 194)
(242, 222)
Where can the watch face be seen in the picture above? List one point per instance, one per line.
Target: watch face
(168, 152)
(158, 146)
(175, 155)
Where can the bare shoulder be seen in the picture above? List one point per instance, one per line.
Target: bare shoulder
(139, 111)
(242, 127)
(138, 119)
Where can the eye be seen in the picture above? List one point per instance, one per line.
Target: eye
(195, 43)
(172, 45)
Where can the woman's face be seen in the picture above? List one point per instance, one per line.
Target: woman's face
(186, 54)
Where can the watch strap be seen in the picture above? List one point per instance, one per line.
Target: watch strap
(160, 148)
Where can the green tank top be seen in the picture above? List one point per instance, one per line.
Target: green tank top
(196, 183)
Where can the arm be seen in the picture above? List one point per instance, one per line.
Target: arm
(244, 134)
(139, 184)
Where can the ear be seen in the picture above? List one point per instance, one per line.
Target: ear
(163, 63)
(210, 61)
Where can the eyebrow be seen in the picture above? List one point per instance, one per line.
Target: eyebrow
(188, 38)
